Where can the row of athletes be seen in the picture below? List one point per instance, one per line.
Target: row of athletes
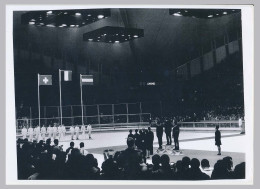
(56, 132)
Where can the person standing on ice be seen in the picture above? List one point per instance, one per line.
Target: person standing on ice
(30, 132)
(63, 131)
(43, 132)
(49, 131)
(59, 132)
(77, 132)
(89, 130)
(24, 132)
(83, 131)
(218, 139)
(72, 130)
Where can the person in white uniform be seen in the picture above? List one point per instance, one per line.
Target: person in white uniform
(83, 130)
(37, 131)
(63, 129)
(89, 130)
(43, 132)
(55, 130)
(30, 132)
(241, 125)
(59, 132)
(77, 132)
(49, 131)
(72, 130)
(24, 132)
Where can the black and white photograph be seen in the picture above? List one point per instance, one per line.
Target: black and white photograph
(129, 94)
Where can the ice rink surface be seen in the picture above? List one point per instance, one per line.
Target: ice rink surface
(194, 144)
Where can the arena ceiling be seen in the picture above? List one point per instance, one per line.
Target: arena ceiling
(169, 40)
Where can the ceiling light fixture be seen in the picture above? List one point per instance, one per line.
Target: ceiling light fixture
(78, 14)
(100, 16)
(177, 14)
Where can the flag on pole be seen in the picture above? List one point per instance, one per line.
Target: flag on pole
(45, 79)
(67, 75)
(87, 79)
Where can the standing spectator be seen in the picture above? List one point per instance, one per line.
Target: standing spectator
(136, 137)
(159, 132)
(218, 139)
(130, 134)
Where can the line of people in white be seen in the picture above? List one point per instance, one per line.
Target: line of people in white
(56, 132)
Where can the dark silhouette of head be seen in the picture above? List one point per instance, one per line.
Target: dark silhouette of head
(205, 163)
(56, 141)
(239, 171)
(165, 160)
(217, 127)
(130, 131)
(81, 145)
(72, 144)
(228, 162)
(195, 163)
(185, 162)
(130, 142)
(149, 128)
(156, 159)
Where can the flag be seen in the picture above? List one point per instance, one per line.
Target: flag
(45, 79)
(87, 79)
(67, 75)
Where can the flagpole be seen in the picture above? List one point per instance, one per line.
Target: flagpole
(60, 97)
(39, 106)
(81, 99)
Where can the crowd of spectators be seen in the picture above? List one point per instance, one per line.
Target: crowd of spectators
(43, 161)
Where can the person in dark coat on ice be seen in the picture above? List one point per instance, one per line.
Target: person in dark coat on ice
(218, 139)
(150, 138)
(159, 132)
(168, 130)
(175, 134)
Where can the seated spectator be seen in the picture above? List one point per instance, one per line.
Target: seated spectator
(205, 167)
(130, 161)
(195, 173)
(68, 151)
(82, 149)
(239, 171)
(165, 170)
(185, 167)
